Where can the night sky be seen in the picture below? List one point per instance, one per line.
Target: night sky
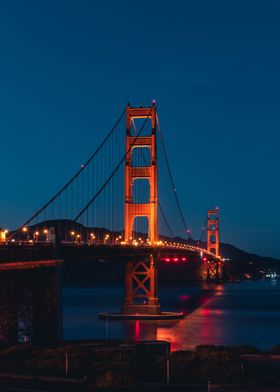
(68, 68)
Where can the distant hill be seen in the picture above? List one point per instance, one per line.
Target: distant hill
(240, 262)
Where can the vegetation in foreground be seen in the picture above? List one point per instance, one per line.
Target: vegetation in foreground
(114, 366)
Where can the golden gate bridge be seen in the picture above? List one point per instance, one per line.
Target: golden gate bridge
(110, 209)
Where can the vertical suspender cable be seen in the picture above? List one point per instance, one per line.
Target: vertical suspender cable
(72, 179)
(172, 180)
(145, 163)
(104, 185)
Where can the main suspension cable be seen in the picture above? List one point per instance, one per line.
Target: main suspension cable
(73, 178)
(114, 171)
(203, 231)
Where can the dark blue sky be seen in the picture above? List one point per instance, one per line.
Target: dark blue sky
(68, 68)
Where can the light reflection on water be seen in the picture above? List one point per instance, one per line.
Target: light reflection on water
(245, 313)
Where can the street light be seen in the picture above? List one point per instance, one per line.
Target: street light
(72, 233)
(92, 238)
(26, 231)
(36, 235)
(46, 232)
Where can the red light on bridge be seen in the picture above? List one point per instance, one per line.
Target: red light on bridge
(205, 312)
(173, 259)
(204, 259)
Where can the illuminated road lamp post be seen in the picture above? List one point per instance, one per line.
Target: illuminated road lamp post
(92, 238)
(72, 233)
(106, 238)
(118, 239)
(78, 238)
(25, 230)
(46, 232)
(36, 236)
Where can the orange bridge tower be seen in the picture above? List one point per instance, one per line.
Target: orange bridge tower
(141, 294)
(213, 244)
(132, 173)
(213, 241)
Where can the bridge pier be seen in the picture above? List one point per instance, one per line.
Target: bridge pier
(30, 302)
(214, 270)
(141, 300)
(47, 306)
(9, 302)
(214, 267)
(141, 288)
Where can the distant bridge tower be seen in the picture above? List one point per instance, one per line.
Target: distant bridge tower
(213, 238)
(132, 173)
(141, 292)
(214, 270)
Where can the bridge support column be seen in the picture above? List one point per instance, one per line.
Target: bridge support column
(214, 267)
(9, 320)
(133, 173)
(46, 306)
(212, 270)
(141, 292)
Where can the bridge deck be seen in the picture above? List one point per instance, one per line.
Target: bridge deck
(46, 252)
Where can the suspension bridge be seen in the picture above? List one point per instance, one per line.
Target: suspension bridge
(111, 209)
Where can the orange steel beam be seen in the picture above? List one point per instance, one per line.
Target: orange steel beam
(132, 210)
(213, 244)
(141, 293)
(213, 236)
